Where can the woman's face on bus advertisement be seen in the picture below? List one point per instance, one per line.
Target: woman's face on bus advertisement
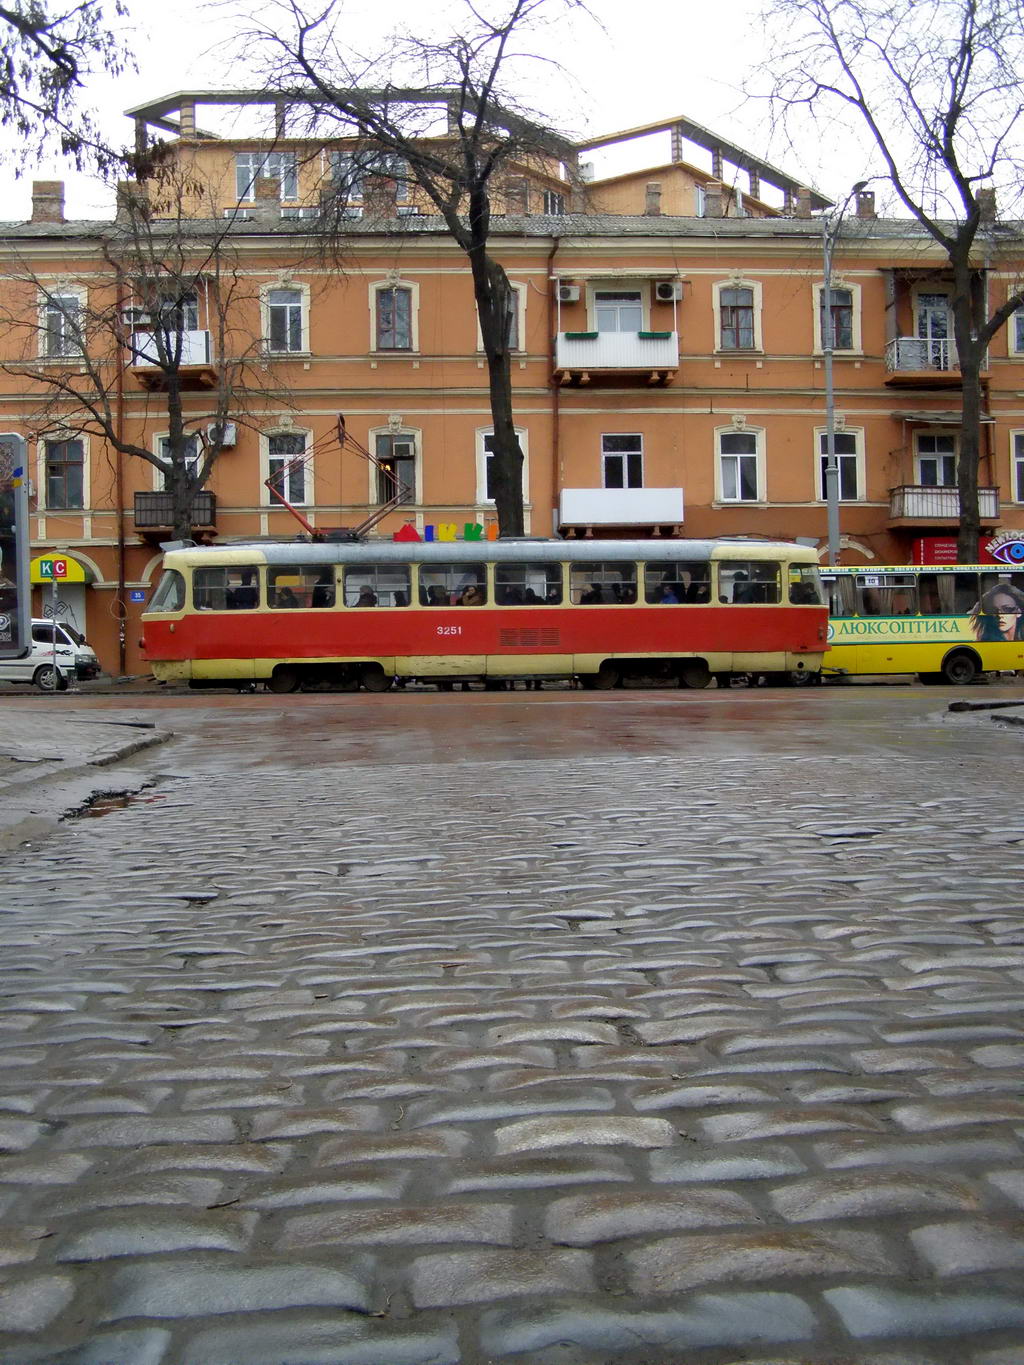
(1007, 613)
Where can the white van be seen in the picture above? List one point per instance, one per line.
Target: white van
(75, 659)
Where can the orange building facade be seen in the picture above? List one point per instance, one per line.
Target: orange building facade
(668, 369)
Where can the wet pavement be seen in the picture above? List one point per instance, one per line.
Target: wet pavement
(653, 1028)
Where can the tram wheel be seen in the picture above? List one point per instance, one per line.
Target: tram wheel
(374, 679)
(695, 673)
(283, 680)
(606, 678)
(960, 669)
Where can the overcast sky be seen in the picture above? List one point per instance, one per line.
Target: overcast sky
(641, 61)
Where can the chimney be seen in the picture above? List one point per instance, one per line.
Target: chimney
(267, 202)
(47, 201)
(380, 196)
(652, 199)
(187, 120)
(866, 204)
(802, 207)
(987, 204)
(131, 201)
(713, 199)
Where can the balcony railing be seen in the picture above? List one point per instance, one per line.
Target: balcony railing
(921, 353)
(621, 507)
(637, 351)
(926, 503)
(155, 511)
(195, 348)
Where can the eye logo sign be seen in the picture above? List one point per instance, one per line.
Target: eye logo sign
(1008, 551)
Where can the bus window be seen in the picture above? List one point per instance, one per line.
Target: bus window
(869, 597)
(898, 595)
(377, 585)
(670, 581)
(291, 586)
(170, 592)
(444, 585)
(746, 581)
(599, 583)
(804, 585)
(965, 593)
(231, 588)
(841, 594)
(528, 585)
(928, 595)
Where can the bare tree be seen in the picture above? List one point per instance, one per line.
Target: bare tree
(76, 340)
(935, 84)
(47, 49)
(458, 164)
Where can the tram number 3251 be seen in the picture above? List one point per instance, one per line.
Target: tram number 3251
(449, 630)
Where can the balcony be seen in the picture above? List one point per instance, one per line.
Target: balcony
(154, 511)
(195, 367)
(583, 356)
(922, 362)
(924, 505)
(625, 508)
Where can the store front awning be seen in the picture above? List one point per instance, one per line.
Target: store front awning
(57, 567)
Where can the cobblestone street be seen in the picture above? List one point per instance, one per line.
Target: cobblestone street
(646, 1028)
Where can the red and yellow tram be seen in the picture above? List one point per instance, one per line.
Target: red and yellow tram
(296, 614)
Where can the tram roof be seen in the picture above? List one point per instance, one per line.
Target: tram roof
(519, 550)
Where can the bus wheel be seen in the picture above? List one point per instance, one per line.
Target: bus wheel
(960, 669)
(283, 680)
(47, 679)
(374, 679)
(695, 673)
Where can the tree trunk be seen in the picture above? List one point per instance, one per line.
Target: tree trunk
(493, 300)
(968, 320)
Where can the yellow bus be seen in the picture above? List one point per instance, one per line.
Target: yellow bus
(946, 623)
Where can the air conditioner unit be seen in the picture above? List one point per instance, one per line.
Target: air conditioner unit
(668, 291)
(568, 293)
(230, 436)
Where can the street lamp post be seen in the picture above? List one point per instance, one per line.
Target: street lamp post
(830, 226)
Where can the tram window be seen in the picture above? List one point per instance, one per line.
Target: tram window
(528, 585)
(226, 588)
(670, 581)
(451, 585)
(377, 585)
(170, 592)
(804, 585)
(965, 593)
(748, 581)
(607, 584)
(291, 586)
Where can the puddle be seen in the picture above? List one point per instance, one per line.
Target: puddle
(104, 803)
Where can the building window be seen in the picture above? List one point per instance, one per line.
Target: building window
(619, 310)
(284, 320)
(738, 466)
(65, 475)
(554, 203)
(253, 166)
(736, 308)
(1018, 466)
(848, 461)
(1017, 333)
(936, 460)
(394, 318)
(288, 478)
(62, 326)
(193, 457)
(516, 321)
(396, 466)
(699, 201)
(349, 170)
(622, 461)
(485, 454)
(842, 319)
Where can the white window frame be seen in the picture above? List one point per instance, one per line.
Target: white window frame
(624, 456)
(758, 452)
(820, 435)
(412, 434)
(819, 339)
(1017, 466)
(637, 287)
(45, 303)
(482, 456)
(948, 435)
(55, 438)
(266, 437)
(716, 300)
(519, 289)
(294, 287)
(553, 203)
(414, 321)
(392, 166)
(159, 441)
(1015, 333)
(700, 203)
(263, 161)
